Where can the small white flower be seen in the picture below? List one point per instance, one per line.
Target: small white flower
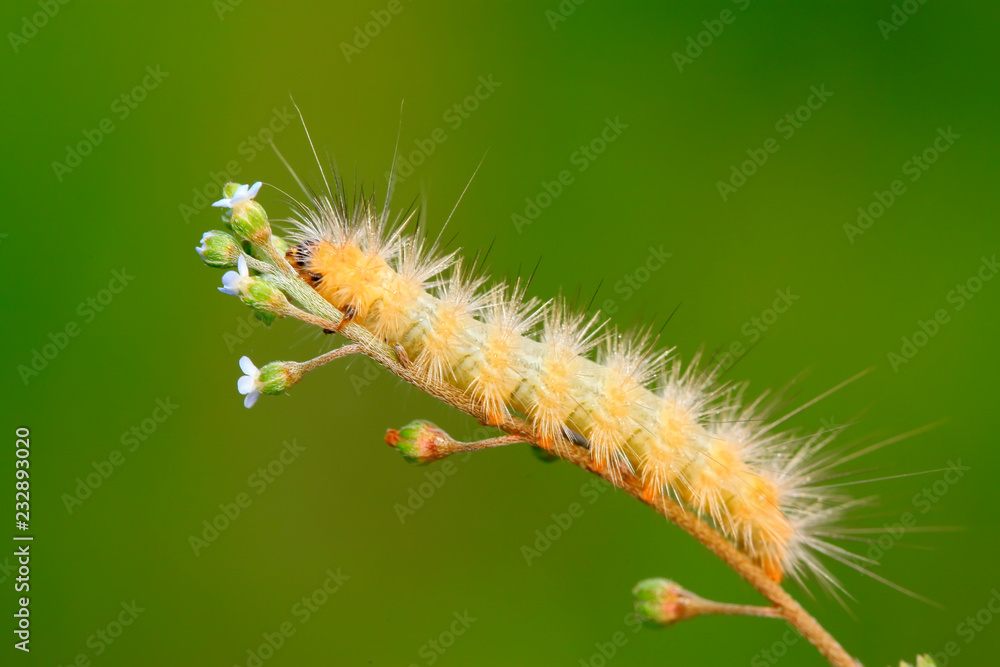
(204, 243)
(243, 194)
(249, 384)
(234, 282)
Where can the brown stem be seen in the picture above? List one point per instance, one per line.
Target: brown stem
(342, 351)
(727, 609)
(489, 443)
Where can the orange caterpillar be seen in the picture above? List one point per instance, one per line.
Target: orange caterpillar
(636, 409)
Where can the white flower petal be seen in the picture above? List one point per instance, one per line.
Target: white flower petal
(247, 366)
(201, 250)
(231, 283)
(245, 384)
(241, 191)
(251, 399)
(253, 190)
(223, 203)
(241, 264)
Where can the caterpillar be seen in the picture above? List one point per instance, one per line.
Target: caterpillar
(580, 381)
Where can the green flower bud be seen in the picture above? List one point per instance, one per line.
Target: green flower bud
(249, 221)
(662, 602)
(254, 291)
(262, 295)
(246, 217)
(274, 378)
(420, 442)
(278, 377)
(219, 249)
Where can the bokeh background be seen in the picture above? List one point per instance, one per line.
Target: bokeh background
(135, 202)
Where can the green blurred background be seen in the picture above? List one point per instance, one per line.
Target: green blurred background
(227, 71)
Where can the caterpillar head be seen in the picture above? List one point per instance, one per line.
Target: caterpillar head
(343, 274)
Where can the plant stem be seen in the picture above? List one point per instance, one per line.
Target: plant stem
(499, 441)
(726, 609)
(342, 351)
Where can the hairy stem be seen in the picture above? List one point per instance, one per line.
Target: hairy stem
(499, 441)
(727, 609)
(323, 314)
(343, 351)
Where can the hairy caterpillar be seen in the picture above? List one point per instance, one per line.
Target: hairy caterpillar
(580, 382)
